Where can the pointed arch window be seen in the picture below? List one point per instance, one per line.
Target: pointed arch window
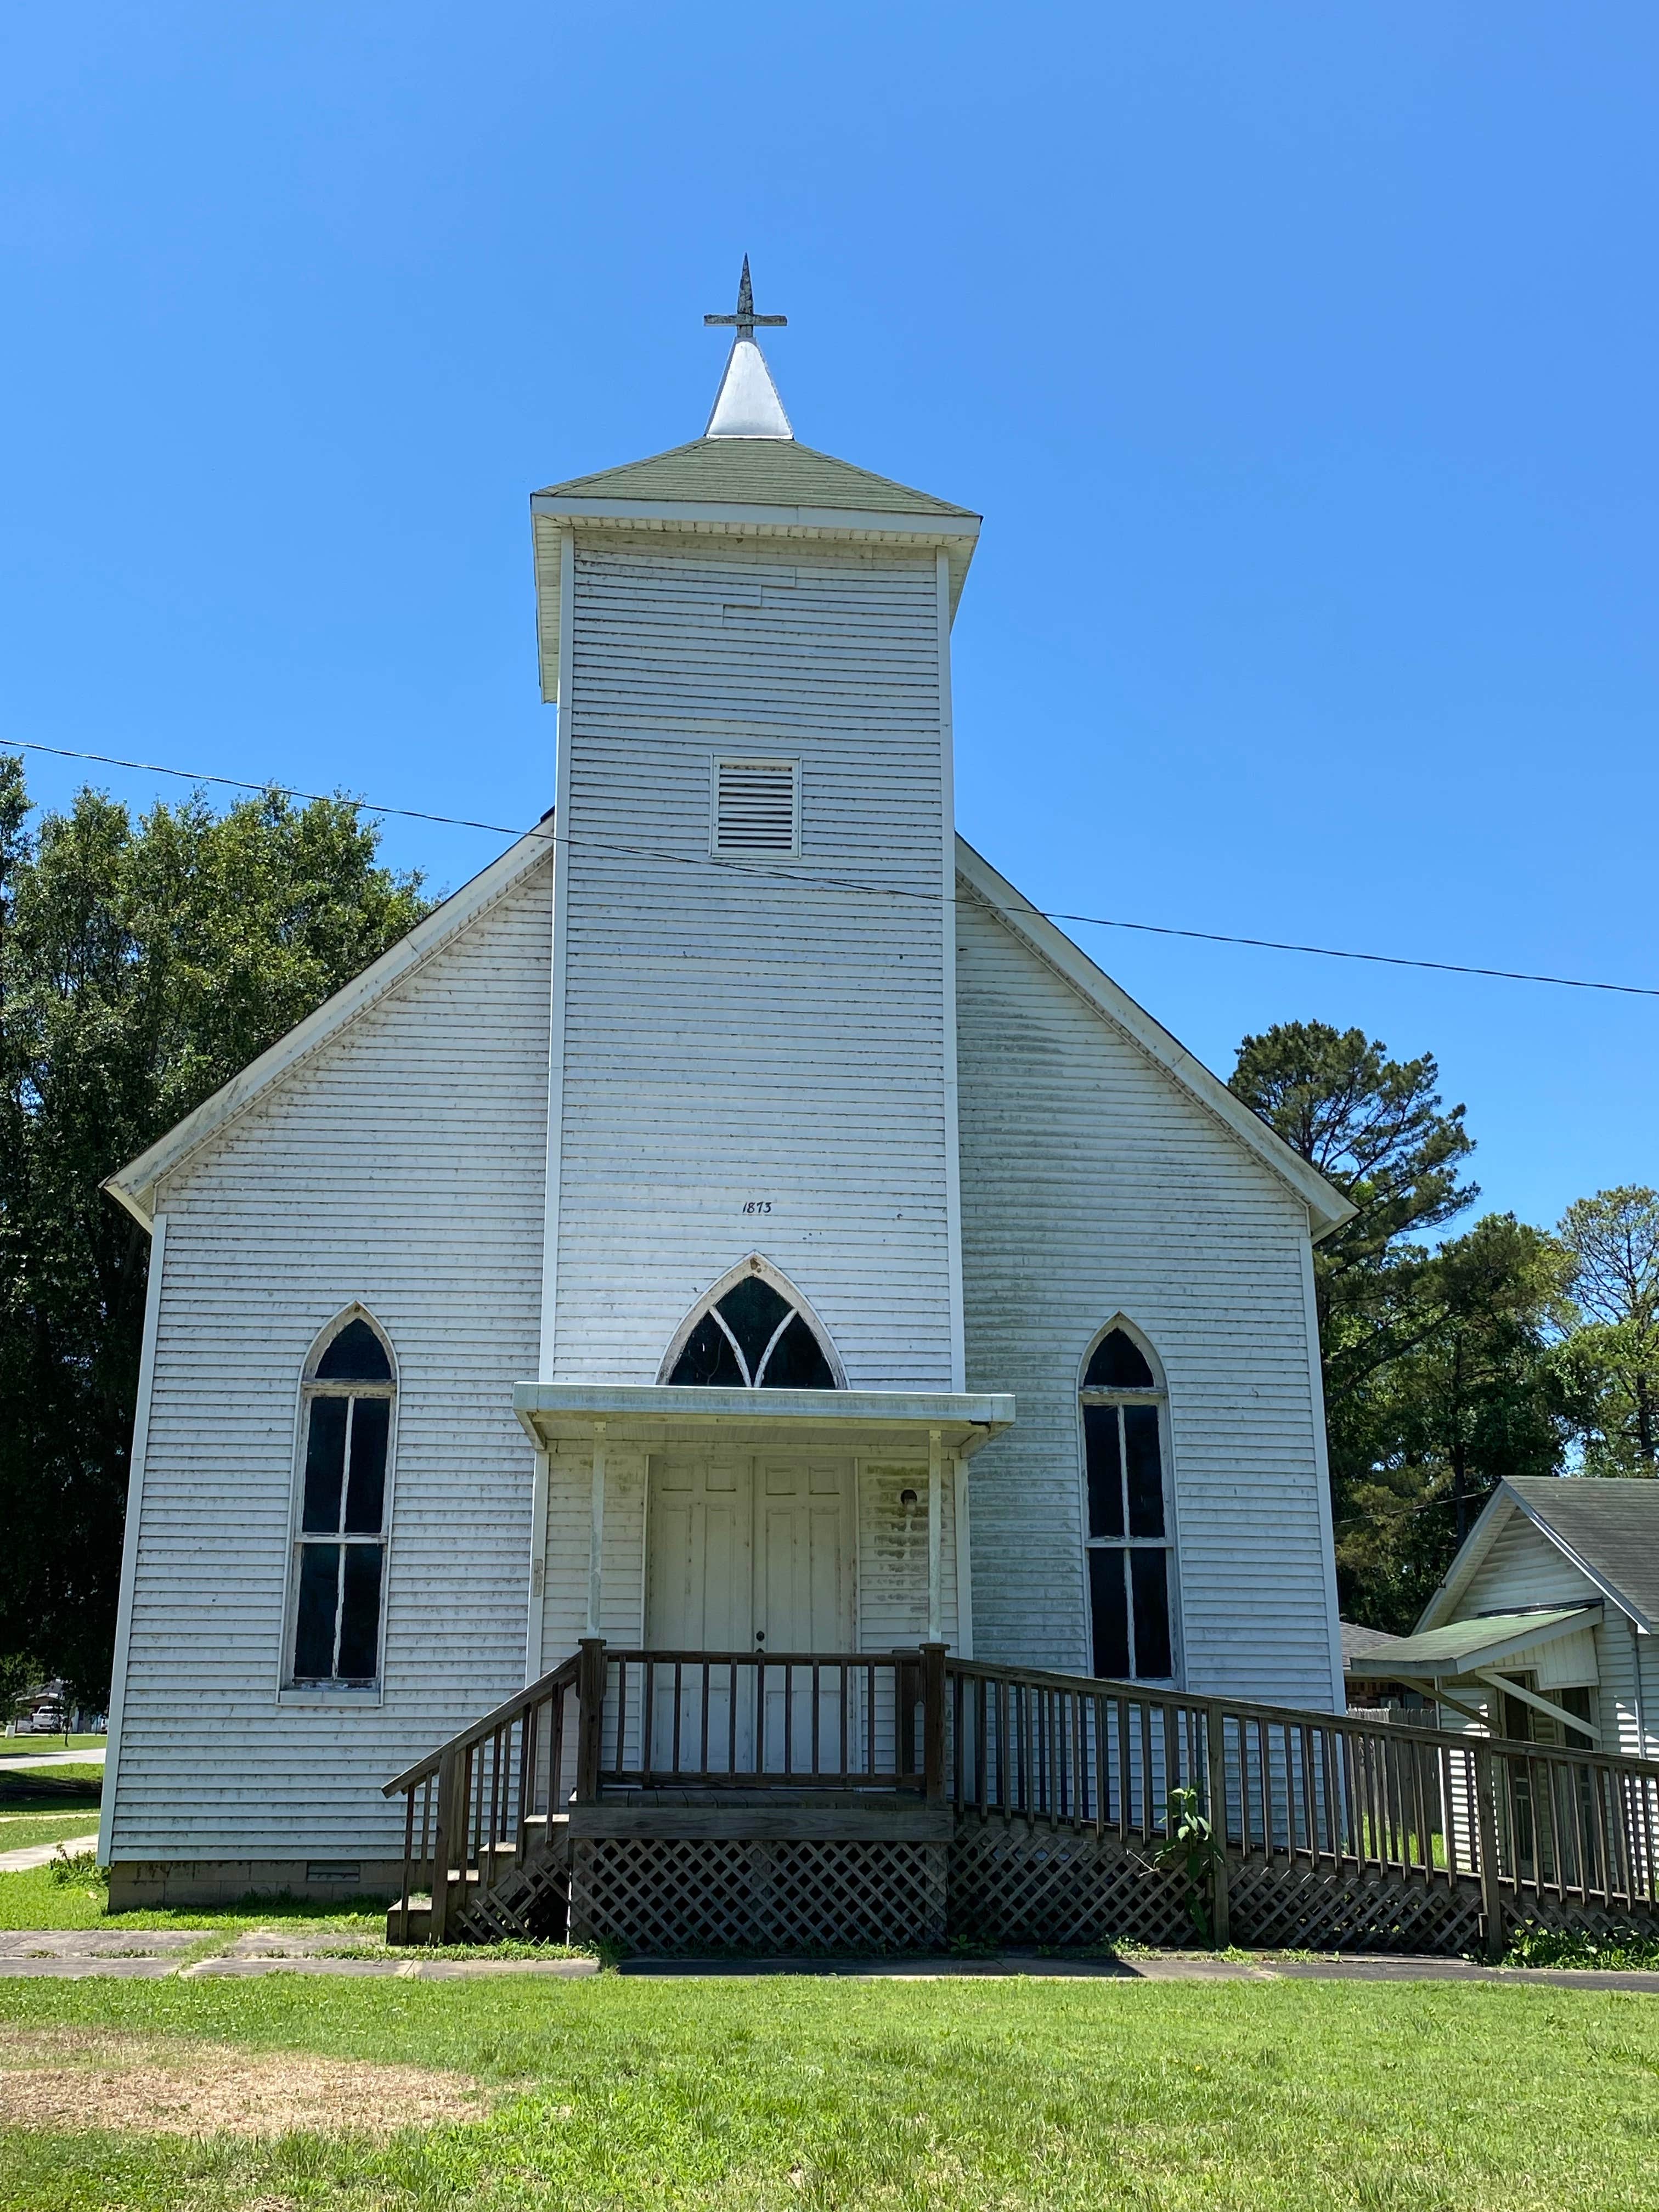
(1129, 1544)
(753, 1332)
(347, 1402)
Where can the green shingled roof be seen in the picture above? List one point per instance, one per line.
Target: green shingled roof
(755, 472)
(1466, 1643)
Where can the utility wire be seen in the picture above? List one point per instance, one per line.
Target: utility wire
(832, 883)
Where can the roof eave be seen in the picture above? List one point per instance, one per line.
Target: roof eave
(1471, 1553)
(1402, 1662)
(1326, 1207)
(134, 1186)
(1609, 1590)
(552, 513)
(1467, 1557)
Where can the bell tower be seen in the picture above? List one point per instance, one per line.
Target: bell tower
(753, 1045)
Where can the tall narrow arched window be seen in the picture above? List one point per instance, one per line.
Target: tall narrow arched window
(1130, 1542)
(752, 1331)
(339, 1563)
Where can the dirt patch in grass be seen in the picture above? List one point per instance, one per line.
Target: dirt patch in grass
(65, 2078)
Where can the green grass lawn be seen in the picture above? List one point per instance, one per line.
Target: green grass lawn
(23, 1747)
(773, 2093)
(75, 1774)
(17, 1829)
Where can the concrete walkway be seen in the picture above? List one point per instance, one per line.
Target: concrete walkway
(152, 1955)
(194, 1955)
(37, 1762)
(1156, 1966)
(40, 1854)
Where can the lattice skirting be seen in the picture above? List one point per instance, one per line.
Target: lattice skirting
(1571, 1916)
(1020, 1884)
(1295, 1907)
(531, 1901)
(666, 1896)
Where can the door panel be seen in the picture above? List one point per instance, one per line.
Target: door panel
(802, 1597)
(700, 1597)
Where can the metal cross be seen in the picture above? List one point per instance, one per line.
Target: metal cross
(745, 319)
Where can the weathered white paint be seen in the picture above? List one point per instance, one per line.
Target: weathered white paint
(948, 949)
(753, 1035)
(158, 1253)
(596, 1534)
(1095, 1183)
(894, 1549)
(399, 1164)
(135, 1185)
(559, 909)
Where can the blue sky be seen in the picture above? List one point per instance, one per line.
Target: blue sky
(1302, 360)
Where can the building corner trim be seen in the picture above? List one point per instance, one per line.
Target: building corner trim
(117, 1684)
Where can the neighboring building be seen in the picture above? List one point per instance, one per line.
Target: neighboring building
(1543, 1626)
(858, 1266)
(1379, 1694)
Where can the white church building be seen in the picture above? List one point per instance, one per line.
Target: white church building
(734, 1221)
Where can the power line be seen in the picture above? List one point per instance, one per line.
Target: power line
(887, 891)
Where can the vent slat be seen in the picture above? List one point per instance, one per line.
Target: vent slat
(757, 806)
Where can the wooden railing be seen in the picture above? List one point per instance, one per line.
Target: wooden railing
(1419, 1804)
(486, 1798)
(774, 1720)
(1003, 1743)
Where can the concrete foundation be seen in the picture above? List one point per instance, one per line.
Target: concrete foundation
(226, 1882)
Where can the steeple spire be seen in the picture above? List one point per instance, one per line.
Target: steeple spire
(747, 405)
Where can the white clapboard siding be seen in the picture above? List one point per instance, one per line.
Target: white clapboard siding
(1522, 1569)
(1093, 1184)
(893, 1557)
(739, 1035)
(402, 1165)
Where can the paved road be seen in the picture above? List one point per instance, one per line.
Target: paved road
(32, 1762)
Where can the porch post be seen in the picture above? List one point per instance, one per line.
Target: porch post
(590, 1718)
(932, 1722)
(935, 1533)
(450, 1835)
(1215, 1793)
(596, 1532)
(1485, 1827)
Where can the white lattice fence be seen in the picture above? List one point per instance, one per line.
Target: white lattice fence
(675, 1897)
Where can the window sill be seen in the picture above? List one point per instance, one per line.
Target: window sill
(334, 1697)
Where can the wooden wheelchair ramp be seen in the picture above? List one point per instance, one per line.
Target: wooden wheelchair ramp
(695, 1802)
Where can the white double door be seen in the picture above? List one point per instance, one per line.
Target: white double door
(746, 1553)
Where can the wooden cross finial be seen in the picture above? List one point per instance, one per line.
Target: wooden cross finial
(746, 319)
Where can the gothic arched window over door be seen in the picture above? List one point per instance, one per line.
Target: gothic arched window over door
(753, 1331)
(1129, 1543)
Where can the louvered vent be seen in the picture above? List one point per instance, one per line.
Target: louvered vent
(758, 807)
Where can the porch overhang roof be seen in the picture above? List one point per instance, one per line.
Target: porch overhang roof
(657, 1413)
(1462, 1647)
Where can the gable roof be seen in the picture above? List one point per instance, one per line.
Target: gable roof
(134, 1185)
(1607, 1527)
(755, 472)
(1328, 1209)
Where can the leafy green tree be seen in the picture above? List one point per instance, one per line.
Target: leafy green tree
(1471, 1400)
(1607, 1365)
(141, 967)
(1435, 1361)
